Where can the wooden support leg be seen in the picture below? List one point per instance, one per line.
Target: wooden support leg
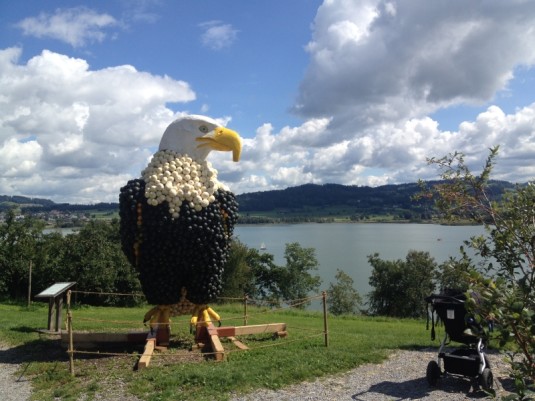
(163, 334)
(215, 342)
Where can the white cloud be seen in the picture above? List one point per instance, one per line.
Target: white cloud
(378, 69)
(218, 35)
(71, 127)
(19, 159)
(75, 26)
(388, 153)
(374, 62)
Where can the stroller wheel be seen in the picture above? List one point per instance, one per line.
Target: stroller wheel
(433, 373)
(486, 380)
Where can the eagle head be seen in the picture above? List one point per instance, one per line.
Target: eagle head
(197, 136)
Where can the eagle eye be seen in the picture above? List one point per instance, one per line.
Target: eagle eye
(204, 129)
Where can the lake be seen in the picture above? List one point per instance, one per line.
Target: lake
(347, 246)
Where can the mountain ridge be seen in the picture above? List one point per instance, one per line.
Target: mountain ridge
(309, 198)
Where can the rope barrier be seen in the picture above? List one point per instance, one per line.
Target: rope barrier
(291, 303)
(231, 298)
(136, 322)
(133, 294)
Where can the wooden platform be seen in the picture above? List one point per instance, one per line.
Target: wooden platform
(210, 337)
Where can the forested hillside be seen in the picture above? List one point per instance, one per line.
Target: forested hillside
(333, 201)
(312, 195)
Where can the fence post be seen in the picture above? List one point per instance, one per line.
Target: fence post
(245, 297)
(69, 329)
(30, 285)
(325, 327)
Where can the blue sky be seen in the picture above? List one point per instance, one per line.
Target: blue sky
(357, 93)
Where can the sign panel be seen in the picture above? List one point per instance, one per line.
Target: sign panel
(54, 290)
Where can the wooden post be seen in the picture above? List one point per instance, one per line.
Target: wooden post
(51, 312)
(325, 328)
(30, 285)
(59, 311)
(245, 297)
(69, 328)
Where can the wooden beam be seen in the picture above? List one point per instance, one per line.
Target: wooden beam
(147, 354)
(254, 329)
(238, 343)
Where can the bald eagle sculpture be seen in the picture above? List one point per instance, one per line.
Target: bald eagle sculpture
(177, 219)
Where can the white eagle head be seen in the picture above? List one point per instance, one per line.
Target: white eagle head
(197, 136)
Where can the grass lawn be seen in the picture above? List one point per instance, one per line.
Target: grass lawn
(181, 374)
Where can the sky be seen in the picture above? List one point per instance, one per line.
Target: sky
(333, 91)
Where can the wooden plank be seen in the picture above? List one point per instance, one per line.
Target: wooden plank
(226, 331)
(147, 354)
(257, 329)
(238, 343)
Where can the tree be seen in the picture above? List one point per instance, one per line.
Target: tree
(48, 266)
(503, 292)
(238, 275)
(384, 279)
(97, 263)
(399, 287)
(19, 239)
(342, 297)
(266, 279)
(296, 281)
(291, 283)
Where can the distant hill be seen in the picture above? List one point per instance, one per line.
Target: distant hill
(313, 195)
(335, 200)
(7, 202)
(304, 200)
(27, 204)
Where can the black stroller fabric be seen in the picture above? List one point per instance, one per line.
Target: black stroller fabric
(451, 311)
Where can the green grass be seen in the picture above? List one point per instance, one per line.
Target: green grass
(181, 374)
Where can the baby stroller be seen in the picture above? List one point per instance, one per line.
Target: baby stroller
(469, 360)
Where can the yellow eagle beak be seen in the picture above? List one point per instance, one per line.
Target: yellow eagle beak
(222, 139)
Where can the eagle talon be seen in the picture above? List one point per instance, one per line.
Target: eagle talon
(157, 317)
(203, 315)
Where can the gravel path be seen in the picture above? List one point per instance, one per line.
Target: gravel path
(13, 387)
(401, 377)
